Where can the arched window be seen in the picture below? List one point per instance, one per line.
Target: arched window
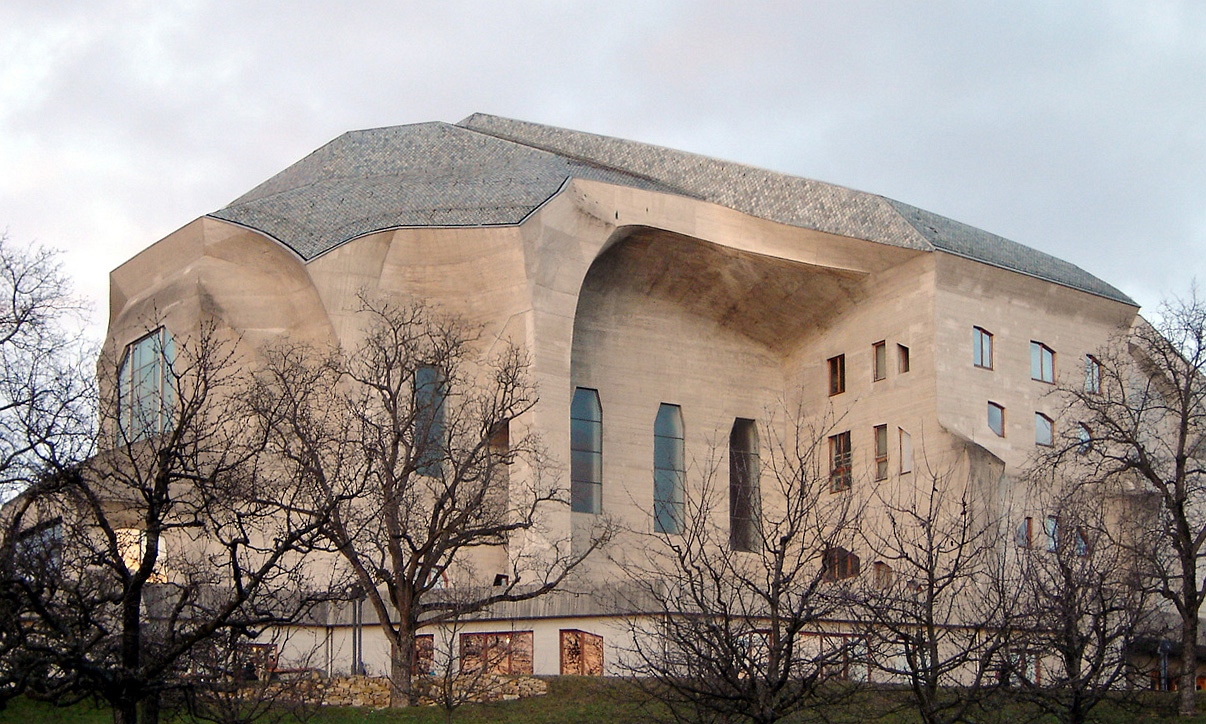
(145, 393)
(669, 472)
(745, 500)
(586, 452)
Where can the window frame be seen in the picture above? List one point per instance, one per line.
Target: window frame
(1042, 422)
(1092, 375)
(1042, 363)
(837, 374)
(902, 359)
(982, 348)
(586, 480)
(1001, 409)
(838, 564)
(906, 450)
(145, 410)
(879, 361)
(745, 493)
(880, 433)
(841, 458)
(669, 469)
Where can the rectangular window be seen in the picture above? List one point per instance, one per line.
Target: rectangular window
(430, 448)
(837, 374)
(506, 653)
(1092, 375)
(1084, 439)
(581, 653)
(880, 361)
(902, 359)
(906, 451)
(882, 574)
(1026, 533)
(1052, 530)
(881, 452)
(1044, 430)
(840, 474)
(1042, 363)
(981, 348)
(996, 419)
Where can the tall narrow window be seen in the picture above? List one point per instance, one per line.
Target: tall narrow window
(902, 358)
(745, 498)
(881, 452)
(1082, 542)
(145, 394)
(1092, 375)
(879, 355)
(840, 474)
(837, 374)
(669, 472)
(1052, 530)
(1042, 363)
(981, 348)
(1026, 533)
(586, 452)
(1084, 439)
(1044, 430)
(431, 432)
(906, 451)
(996, 419)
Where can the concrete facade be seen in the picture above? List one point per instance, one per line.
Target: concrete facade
(652, 276)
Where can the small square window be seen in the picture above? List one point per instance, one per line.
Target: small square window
(902, 359)
(1044, 430)
(837, 374)
(880, 363)
(1042, 363)
(840, 474)
(881, 452)
(981, 348)
(1092, 375)
(996, 419)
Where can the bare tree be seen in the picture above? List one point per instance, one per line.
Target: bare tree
(1140, 416)
(165, 538)
(735, 622)
(46, 422)
(939, 605)
(412, 437)
(1082, 601)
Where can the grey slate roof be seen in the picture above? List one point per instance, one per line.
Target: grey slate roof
(488, 171)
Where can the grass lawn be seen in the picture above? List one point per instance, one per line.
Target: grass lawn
(576, 700)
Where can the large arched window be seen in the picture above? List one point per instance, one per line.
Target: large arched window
(145, 394)
(745, 500)
(669, 472)
(586, 452)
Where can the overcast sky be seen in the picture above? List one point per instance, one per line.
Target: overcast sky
(1075, 128)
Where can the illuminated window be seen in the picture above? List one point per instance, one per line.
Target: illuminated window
(996, 419)
(981, 348)
(1042, 363)
(669, 472)
(837, 374)
(1044, 430)
(840, 474)
(881, 452)
(745, 497)
(586, 452)
(145, 393)
(879, 366)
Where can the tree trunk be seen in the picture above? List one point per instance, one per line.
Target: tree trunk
(125, 712)
(1187, 695)
(401, 667)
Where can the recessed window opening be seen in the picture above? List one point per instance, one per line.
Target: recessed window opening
(1026, 533)
(1052, 530)
(145, 391)
(586, 452)
(881, 452)
(745, 502)
(840, 456)
(981, 348)
(431, 433)
(996, 419)
(1092, 375)
(669, 470)
(839, 564)
(879, 355)
(1044, 430)
(902, 359)
(1084, 438)
(1042, 363)
(906, 451)
(837, 375)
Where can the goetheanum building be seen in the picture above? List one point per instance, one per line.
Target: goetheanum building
(668, 303)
